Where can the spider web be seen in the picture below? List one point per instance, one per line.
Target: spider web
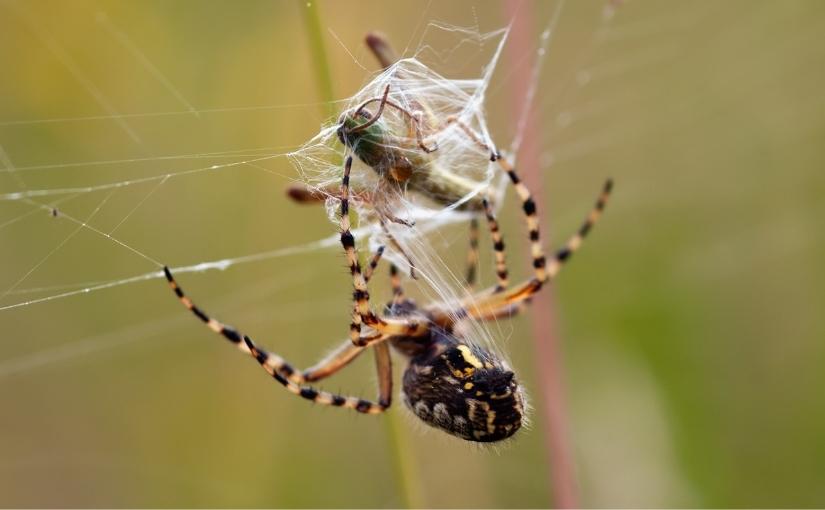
(68, 204)
(66, 208)
(146, 201)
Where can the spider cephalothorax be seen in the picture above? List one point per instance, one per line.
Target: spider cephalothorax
(463, 390)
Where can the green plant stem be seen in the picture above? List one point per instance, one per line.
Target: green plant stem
(400, 451)
(323, 75)
(546, 339)
(409, 486)
(404, 462)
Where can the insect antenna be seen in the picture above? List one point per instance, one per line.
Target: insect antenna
(415, 118)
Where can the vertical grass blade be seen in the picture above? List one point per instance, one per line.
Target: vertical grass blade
(399, 450)
(546, 340)
(409, 488)
(315, 37)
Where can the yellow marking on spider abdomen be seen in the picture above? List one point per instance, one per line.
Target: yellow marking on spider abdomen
(489, 415)
(469, 357)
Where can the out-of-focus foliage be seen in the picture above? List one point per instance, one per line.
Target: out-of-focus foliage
(691, 320)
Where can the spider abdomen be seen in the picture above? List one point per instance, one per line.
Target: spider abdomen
(464, 391)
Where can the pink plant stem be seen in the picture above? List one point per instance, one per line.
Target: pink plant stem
(545, 335)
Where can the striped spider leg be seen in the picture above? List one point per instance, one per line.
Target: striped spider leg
(295, 380)
(493, 303)
(501, 301)
(505, 302)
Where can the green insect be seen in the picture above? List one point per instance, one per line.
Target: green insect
(396, 160)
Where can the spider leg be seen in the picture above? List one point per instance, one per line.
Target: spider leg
(528, 206)
(383, 365)
(505, 312)
(382, 358)
(498, 248)
(281, 370)
(492, 305)
(542, 272)
(318, 396)
(472, 255)
(395, 283)
(355, 324)
(373, 264)
(387, 326)
(304, 194)
(332, 363)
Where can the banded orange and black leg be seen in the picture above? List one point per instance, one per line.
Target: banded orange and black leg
(491, 306)
(502, 274)
(387, 326)
(284, 373)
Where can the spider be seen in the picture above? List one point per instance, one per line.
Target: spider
(450, 382)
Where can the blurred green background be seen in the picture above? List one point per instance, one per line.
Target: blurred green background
(691, 322)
